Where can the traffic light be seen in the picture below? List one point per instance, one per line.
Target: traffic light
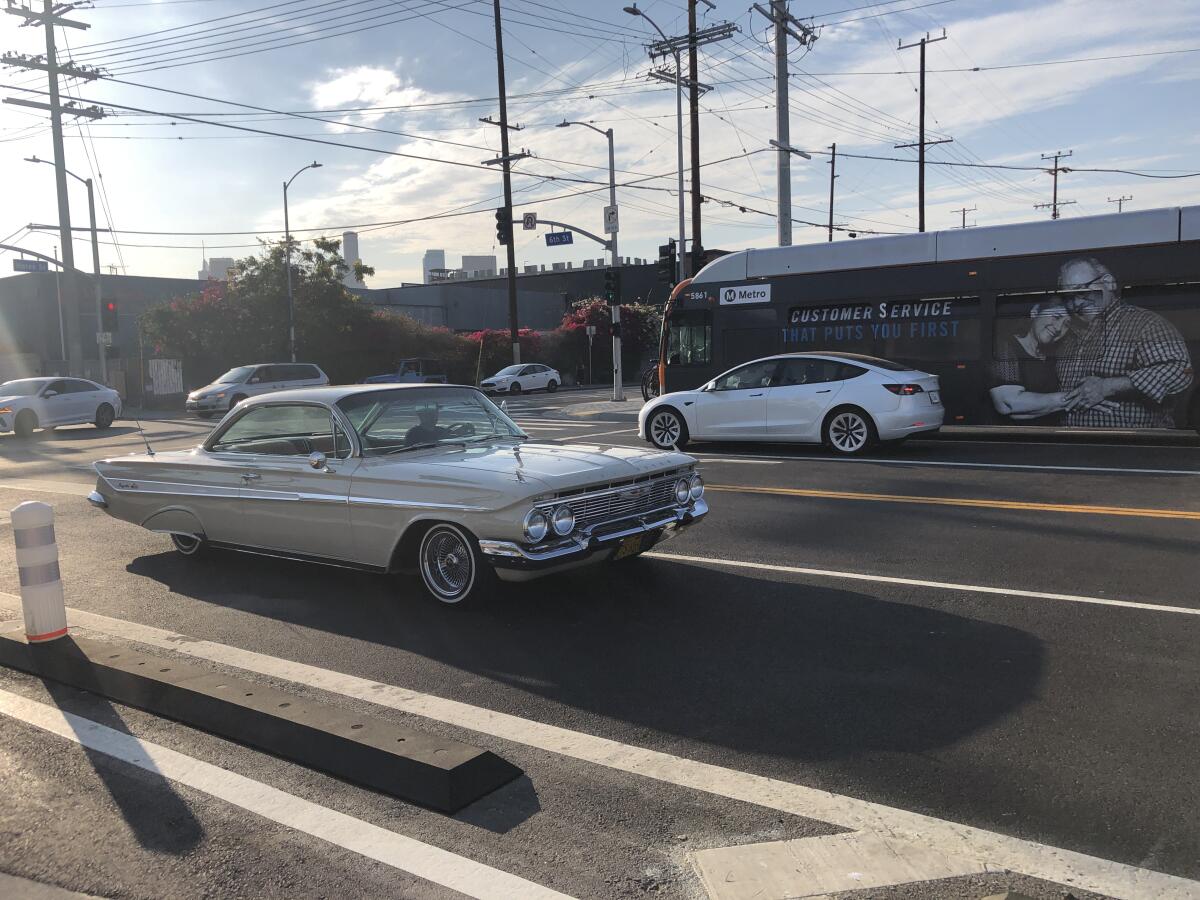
(666, 262)
(612, 286)
(108, 316)
(504, 225)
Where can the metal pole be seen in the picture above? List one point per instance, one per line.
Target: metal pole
(1054, 209)
(782, 125)
(921, 149)
(287, 255)
(612, 191)
(832, 176)
(62, 331)
(513, 330)
(65, 235)
(680, 262)
(694, 123)
(101, 349)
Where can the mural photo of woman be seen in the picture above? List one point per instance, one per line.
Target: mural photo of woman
(1025, 385)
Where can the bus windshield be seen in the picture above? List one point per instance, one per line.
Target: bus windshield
(689, 341)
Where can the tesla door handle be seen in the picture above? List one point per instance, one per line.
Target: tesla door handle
(826, 391)
(251, 476)
(756, 395)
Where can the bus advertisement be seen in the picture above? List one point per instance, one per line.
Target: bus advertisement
(1081, 323)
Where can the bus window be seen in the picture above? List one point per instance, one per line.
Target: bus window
(690, 339)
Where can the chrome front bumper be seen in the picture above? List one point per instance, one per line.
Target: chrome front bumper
(97, 500)
(512, 559)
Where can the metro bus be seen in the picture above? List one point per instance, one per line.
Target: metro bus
(1036, 308)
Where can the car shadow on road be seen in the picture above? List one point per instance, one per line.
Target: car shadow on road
(749, 663)
(156, 814)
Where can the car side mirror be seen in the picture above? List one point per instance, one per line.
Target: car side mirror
(709, 387)
(254, 380)
(49, 394)
(317, 460)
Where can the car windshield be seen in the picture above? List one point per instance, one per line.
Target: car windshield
(26, 388)
(508, 370)
(397, 420)
(235, 376)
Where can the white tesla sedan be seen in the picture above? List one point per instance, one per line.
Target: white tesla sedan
(844, 400)
(49, 402)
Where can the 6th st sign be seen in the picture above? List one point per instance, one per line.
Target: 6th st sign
(558, 238)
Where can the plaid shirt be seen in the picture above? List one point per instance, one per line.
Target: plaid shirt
(1134, 342)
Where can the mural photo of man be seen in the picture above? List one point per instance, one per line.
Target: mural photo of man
(1121, 364)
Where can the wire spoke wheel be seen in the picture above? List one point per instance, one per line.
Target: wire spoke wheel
(664, 429)
(447, 564)
(848, 432)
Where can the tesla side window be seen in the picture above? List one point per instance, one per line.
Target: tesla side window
(755, 375)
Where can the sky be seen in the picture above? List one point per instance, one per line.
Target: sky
(407, 81)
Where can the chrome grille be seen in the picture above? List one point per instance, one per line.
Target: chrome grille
(595, 507)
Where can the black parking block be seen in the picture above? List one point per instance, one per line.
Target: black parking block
(432, 771)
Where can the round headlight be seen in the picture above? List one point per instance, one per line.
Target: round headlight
(697, 490)
(536, 525)
(564, 520)
(683, 490)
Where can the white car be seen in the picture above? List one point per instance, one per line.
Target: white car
(527, 377)
(49, 402)
(846, 401)
(243, 382)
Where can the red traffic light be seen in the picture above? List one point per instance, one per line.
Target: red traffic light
(111, 307)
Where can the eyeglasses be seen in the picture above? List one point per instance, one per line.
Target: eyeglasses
(1085, 288)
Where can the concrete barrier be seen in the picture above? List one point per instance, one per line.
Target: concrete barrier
(37, 567)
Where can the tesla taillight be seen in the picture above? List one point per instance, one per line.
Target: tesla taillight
(905, 390)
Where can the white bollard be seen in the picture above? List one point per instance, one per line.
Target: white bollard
(37, 566)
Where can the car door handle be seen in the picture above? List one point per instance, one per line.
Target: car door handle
(251, 476)
(756, 395)
(826, 391)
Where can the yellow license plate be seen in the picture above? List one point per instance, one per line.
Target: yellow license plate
(629, 546)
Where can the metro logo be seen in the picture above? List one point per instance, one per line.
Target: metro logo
(746, 293)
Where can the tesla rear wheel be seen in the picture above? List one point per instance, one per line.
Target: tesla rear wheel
(26, 422)
(451, 566)
(666, 429)
(104, 416)
(189, 544)
(551, 386)
(849, 431)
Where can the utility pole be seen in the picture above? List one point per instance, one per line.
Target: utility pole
(921, 142)
(783, 22)
(506, 163)
(964, 212)
(1055, 203)
(51, 16)
(1120, 201)
(832, 176)
(694, 113)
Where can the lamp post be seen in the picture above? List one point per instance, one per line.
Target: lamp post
(634, 11)
(612, 175)
(287, 245)
(101, 350)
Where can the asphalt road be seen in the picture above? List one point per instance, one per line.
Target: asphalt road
(1001, 636)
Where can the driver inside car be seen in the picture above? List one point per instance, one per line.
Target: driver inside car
(428, 431)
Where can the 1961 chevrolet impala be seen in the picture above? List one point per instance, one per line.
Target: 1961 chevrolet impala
(434, 478)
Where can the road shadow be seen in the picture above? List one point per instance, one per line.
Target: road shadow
(158, 817)
(744, 662)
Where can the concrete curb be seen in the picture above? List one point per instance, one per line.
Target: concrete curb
(435, 772)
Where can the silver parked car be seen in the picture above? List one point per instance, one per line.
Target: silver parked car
(48, 402)
(243, 382)
(431, 478)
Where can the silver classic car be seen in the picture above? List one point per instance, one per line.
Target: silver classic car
(431, 478)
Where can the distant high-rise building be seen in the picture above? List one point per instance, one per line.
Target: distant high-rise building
(478, 266)
(216, 268)
(350, 255)
(433, 259)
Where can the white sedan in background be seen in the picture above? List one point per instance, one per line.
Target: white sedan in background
(527, 377)
(31, 403)
(846, 401)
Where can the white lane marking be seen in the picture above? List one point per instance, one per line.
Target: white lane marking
(423, 860)
(916, 582)
(1075, 444)
(828, 864)
(606, 433)
(950, 838)
(77, 489)
(555, 422)
(955, 464)
(756, 462)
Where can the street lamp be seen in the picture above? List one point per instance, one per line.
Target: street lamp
(612, 175)
(287, 244)
(634, 11)
(100, 347)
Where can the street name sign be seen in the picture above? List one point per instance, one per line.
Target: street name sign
(557, 238)
(30, 265)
